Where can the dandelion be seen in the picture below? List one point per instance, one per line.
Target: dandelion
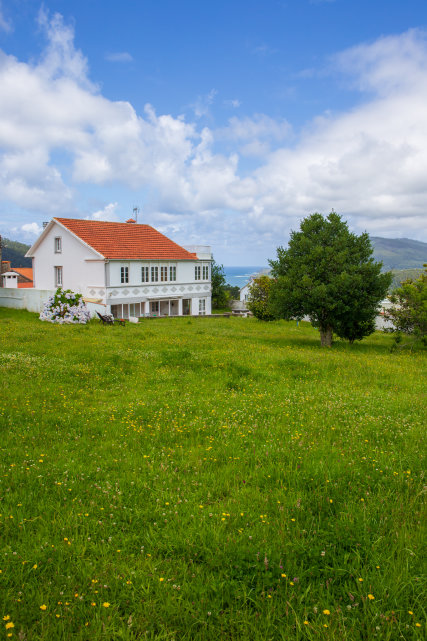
(418, 625)
(371, 597)
(305, 622)
(326, 612)
(161, 579)
(7, 617)
(360, 580)
(43, 607)
(410, 612)
(10, 625)
(35, 566)
(106, 604)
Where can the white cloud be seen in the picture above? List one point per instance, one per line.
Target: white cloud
(369, 163)
(107, 214)
(32, 228)
(122, 56)
(5, 25)
(203, 103)
(235, 103)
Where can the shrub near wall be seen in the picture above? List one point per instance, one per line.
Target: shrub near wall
(65, 307)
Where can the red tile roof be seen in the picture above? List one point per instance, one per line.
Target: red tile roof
(27, 272)
(125, 241)
(25, 285)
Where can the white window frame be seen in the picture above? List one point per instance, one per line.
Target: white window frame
(154, 273)
(58, 244)
(163, 273)
(59, 276)
(145, 274)
(202, 306)
(197, 272)
(124, 275)
(172, 273)
(205, 270)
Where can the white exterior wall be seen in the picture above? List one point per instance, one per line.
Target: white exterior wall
(79, 273)
(185, 287)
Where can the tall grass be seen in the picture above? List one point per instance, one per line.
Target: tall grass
(209, 479)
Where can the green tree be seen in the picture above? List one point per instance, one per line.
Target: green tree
(408, 312)
(219, 295)
(328, 274)
(259, 298)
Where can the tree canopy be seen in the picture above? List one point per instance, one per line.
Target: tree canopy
(259, 296)
(328, 274)
(408, 312)
(219, 295)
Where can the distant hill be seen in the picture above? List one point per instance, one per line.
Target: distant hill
(395, 253)
(15, 252)
(399, 253)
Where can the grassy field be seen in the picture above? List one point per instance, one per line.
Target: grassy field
(197, 478)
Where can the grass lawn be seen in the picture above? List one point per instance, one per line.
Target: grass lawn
(209, 478)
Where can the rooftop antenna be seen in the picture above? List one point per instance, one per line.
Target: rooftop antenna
(135, 212)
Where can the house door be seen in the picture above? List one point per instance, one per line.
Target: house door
(186, 306)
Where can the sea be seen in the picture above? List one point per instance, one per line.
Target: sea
(241, 275)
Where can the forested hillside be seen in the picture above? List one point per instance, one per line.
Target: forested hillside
(15, 252)
(399, 253)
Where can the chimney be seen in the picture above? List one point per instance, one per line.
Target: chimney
(5, 266)
(131, 220)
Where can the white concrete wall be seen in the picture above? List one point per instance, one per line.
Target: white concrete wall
(79, 272)
(31, 299)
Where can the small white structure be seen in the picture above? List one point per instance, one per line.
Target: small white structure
(126, 269)
(244, 291)
(10, 280)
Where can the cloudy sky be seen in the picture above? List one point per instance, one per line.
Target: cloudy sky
(224, 121)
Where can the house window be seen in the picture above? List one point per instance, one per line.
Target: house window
(202, 306)
(144, 274)
(172, 272)
(124, 274)
(205, 272)
(163, 273)
(154, 274)
(58, 245)
(197, 272)
(58, 276)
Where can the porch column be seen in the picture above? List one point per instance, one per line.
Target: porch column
(179, 306)
(147, 308)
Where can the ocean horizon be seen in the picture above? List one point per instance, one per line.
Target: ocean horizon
(239, 276)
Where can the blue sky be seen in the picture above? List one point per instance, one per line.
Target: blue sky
(226, 122)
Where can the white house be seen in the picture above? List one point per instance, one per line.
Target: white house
(245, 290)
(125, 269)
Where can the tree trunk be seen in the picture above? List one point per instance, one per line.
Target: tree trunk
(326, 336)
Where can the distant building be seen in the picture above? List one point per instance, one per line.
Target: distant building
(24, 274)
(125, 269)
(245, 290)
